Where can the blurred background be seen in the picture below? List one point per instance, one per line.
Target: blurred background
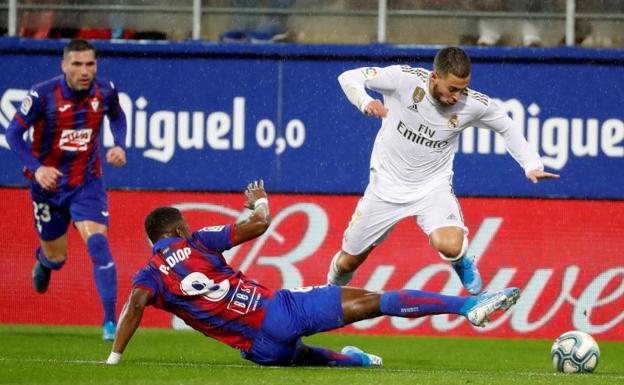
(218, 93)
(549, 23)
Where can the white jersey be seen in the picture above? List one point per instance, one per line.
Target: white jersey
(415, 145)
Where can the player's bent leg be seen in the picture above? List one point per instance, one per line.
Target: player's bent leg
(104, 272)
(367, 358)
(51, 255)
(452, 244)
(343, 266)
(349, 356)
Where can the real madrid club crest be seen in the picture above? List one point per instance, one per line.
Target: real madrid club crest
(417, 96)
(453, 121)
(95, 104)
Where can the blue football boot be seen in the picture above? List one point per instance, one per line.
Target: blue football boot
(367, 359)
(108, 331)
(468, 274)
(41, 277)
(478, 309)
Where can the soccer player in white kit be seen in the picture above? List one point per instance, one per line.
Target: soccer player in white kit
(411, 167)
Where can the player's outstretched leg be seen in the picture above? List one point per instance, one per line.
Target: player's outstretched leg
(43, 270)
(478, 309)
(468, 273)
(359, 304)
(105, 275)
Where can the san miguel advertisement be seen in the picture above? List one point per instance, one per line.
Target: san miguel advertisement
(278, 112)
(565, 256)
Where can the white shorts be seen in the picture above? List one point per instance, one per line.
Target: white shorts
(374, 218)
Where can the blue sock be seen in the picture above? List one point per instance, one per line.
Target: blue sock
(105, 274)
(41, 257)
(416, 303)
(325, 357)
(470, 302)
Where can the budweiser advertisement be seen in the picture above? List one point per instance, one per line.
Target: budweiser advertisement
(565, 255)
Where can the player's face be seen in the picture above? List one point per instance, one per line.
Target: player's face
(79, 68)
(447, 90)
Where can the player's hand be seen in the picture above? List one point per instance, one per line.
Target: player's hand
(254, 191)
(47, 177)
(537, 174)
(376, 108)
(116, 156)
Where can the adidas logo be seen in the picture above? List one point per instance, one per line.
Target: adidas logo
(452, 217)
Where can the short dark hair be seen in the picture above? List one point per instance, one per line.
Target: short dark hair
(162, 221)
(77, 45)
(452, 60)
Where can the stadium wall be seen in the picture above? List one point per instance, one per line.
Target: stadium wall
(277, 112)
(565, 255)
(209, 117)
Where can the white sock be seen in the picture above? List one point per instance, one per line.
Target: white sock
(336, 278)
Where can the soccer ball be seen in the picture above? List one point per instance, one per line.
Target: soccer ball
(575, 352)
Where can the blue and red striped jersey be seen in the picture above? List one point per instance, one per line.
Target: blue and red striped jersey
(67, 128)
(191, 279)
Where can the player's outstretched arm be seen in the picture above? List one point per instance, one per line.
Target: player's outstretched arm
(535, 175)
(128, 322)
(258, 222)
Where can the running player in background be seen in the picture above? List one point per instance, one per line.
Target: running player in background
(64, 167)
(189, 277)
(411, 167)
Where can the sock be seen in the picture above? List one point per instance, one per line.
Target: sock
(105, 274)
(334, 277)
(41, 257)
(470, 302)
(324, 357)
(416, 303)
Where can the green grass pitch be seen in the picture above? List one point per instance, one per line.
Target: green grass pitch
(74, 355)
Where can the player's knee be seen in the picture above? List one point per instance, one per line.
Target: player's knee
(52, 259)
(451, 247)
(99, 250)
(56, 256)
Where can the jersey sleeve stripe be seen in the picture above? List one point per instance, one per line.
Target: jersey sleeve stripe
(145, 287)
(232, 234)
(20, 121)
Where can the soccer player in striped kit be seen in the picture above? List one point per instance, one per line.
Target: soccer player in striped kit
(188, 276)
(64, 167)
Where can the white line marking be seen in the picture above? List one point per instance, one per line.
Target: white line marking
(258, 367)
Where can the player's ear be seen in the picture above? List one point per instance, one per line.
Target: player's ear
(182, 230)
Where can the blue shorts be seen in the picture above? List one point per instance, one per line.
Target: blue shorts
(290, 315)
(53, 211)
